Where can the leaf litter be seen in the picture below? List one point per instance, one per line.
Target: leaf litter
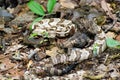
(18, 58)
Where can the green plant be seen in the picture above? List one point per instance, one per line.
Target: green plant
(33, 35)
(95, 49)
(113, 43)
(110, 43)
(39, 10)
(50, 5)
(36, 8)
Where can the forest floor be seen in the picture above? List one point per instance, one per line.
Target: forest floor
(18, 53)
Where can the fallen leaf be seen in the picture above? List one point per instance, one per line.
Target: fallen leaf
(106, 7)
(114, 71)
(111, 34)
(54, 51)
(118, 37)
(29, 64)
(15, 47)
(8, 67)
(68, 4)
(102, 68)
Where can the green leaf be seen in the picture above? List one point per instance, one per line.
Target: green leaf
(50, 5)
(36, 20)
(33, 35)
(95, 50)
(112, 43)
(36, 8)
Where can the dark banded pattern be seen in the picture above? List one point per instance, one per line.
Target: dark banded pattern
(73, 54)
(54, 27)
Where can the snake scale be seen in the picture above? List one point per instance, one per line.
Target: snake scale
(56, 27)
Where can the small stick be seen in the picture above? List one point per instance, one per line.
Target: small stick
(111, 26)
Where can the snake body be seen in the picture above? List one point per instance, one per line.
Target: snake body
(62, 28)
(54, 27)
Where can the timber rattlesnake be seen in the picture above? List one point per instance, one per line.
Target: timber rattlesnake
(62, 28)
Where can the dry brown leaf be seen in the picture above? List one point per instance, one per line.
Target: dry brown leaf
(107, 9)
(10, 68)
(54, 51)
(68, 4)
(118, 37)
(14, 47)
(106, 6)
(111, 34)
(29, 64)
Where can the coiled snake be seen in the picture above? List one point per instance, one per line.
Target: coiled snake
(62, 28)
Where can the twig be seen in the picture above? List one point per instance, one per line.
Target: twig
(95, 77)
(106, 58)
(114, 22)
